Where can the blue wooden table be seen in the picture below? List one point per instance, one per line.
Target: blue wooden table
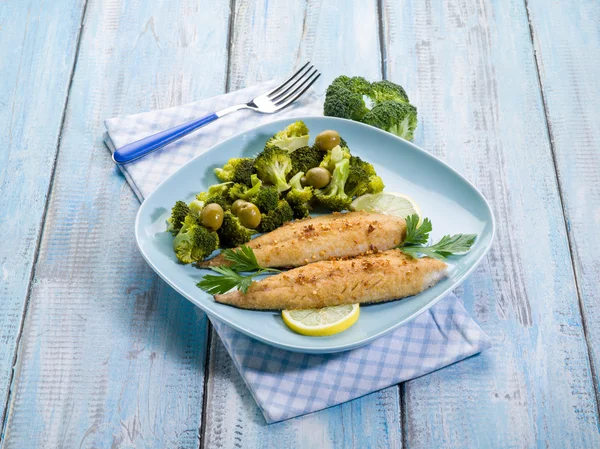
(96, 351)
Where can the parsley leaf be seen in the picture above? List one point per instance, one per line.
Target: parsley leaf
(415, 234)
(447, 246)
(242, 260)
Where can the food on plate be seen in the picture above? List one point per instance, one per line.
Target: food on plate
(388, 203)
(371, 278)
(386, 107)
(327, 140)
(294, 136)
(324, 237)
(321, 322)
(211, 216)
(285, 181)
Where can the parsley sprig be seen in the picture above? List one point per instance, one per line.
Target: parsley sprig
(242, 260)
(417, 236)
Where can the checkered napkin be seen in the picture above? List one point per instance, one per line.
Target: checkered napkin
(287, 384)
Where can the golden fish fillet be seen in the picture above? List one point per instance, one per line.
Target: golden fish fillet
(367, 279)
(325, 237)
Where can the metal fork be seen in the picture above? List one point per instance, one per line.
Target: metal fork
(276, 99)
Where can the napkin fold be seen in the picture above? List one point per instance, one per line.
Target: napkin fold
(287, 384)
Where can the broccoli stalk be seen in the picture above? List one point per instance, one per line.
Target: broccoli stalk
(335, 155)
(273, 165)
(238, 170)
(298, 197)
(333, 195)
(194, 242)
(294, 136)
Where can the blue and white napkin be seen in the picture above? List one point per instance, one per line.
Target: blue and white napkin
(286, 384)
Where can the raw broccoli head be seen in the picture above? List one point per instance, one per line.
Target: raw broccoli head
(266, 199)
(291, 138)
(275, 218)
(273, 165)
(333, 195)
(344, 98)
(298, 197)
(397, 118)
(238, 170)
(305, 158)
(243, 191)
(194, 242)
(387, 91)
(178, 214)
(232, 233)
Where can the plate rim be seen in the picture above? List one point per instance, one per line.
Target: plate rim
(334, 347)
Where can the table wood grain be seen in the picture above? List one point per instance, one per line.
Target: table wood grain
(96, 351)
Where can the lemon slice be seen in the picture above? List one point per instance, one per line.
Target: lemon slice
(387, 203)
(321, 322)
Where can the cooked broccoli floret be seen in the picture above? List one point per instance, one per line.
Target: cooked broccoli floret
(215, 189)
(344, 98)
(387, 91)
(298, 197)
(397, 118)
(178, 214)
(266, 199)
(357, 183)
(232, 233)
(219, 199)
(275, 218)
(375, 183)
(333, 156)
(242, 191)
(238, 170)
(291, 138)
(333, 196)
(273, 165)
(194, 242)
(305, 158)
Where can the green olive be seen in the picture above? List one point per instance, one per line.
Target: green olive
(318, 177)
(327, 140)
(249, 215)
(211, 216)
(303, 181)
(237, 204)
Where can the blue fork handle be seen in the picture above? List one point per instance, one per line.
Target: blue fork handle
(136, 150)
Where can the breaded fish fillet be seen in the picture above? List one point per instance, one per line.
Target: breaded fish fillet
(325, 237)
(373, 278)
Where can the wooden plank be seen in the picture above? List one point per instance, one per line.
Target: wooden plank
(36, 62)
(110, 356)
(470, 69)
(566, 37)
(269, 39)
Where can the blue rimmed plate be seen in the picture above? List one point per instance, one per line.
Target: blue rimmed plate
(449, 200)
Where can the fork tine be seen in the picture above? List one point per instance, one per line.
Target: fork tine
(294, 86)
(279, 86)
(296, 94)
